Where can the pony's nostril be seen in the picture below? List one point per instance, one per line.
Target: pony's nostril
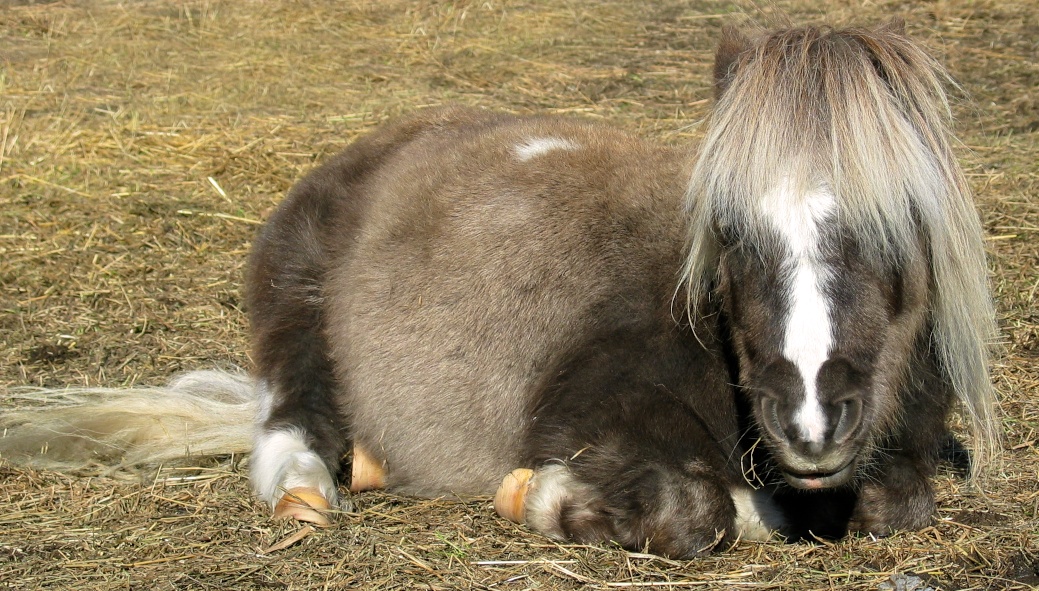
(770, 418)
(848, 423)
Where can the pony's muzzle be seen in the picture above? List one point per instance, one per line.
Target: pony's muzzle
(814, 461)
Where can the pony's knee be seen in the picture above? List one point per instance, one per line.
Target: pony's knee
(902, 501)
(690, 515)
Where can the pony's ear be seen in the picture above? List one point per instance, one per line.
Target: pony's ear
(732, 44)
(896, 25)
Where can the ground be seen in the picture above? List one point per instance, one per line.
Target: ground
(141, 144)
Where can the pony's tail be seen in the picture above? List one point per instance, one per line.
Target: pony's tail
(200, 413)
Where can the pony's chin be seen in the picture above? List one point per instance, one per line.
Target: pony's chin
(820, 480)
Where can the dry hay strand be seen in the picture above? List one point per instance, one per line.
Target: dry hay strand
(141, 143)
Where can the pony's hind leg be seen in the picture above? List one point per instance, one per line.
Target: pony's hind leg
(301, 433)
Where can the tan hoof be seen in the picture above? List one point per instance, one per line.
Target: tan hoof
(304, 503)
(511, 500)
(366, 473)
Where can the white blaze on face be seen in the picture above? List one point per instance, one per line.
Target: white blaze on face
(798, 218)
(541, 145)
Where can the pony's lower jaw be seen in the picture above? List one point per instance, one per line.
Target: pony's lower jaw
(820, 480)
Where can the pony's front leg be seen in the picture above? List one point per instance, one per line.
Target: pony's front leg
(625, 446)
(896, 494)
(678, 512)
(901, 499)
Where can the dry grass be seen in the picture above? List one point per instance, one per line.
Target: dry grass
(141, 142)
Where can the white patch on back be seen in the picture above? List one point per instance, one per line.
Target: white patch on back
(538, 146)
(809, 333)
(281, 461)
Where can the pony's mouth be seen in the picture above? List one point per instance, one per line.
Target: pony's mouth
(820, 480)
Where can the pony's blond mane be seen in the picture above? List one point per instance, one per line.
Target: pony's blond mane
(864, 113)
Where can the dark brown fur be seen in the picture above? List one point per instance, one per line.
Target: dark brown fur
(646, 416)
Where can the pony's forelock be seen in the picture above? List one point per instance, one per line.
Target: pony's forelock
(864, 114)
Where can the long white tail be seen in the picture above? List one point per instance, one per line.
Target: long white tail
(197, 413)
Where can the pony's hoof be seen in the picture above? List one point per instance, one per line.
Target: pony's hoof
(303, 503)
(365, 472)
(511, 499)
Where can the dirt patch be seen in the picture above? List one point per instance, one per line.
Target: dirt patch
(1024, 568)
(979, 518)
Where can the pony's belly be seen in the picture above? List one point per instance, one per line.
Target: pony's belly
(454, 471)
(440, 369)
(435, 443)
(443, 408)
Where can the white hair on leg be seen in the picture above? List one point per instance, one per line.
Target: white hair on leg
(283, 461)
(757, 516)
(553, 489)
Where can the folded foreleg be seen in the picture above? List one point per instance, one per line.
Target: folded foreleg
(677, 511)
